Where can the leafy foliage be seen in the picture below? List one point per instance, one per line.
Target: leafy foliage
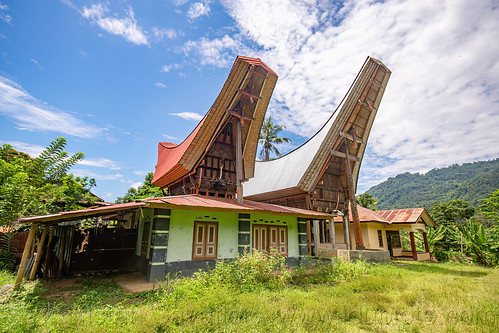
(147, 190)
(40, 185)
(366, 200)
(490, 207)
(468, 182)
(269, 138)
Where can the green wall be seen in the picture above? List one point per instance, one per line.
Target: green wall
(181, 231)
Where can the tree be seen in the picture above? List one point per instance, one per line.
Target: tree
(451, 214)
(490, 206)
(367, 201)
(269, 138)
(147, 190)
(33, 186)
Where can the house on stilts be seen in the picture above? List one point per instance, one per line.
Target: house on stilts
(204, 216)
(321, 175)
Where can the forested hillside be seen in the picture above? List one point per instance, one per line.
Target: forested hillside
(469, 182)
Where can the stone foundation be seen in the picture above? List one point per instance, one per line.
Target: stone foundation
(379, 256)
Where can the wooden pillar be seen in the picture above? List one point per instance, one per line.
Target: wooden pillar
(413, 246)
(332, 233)
(359, 242)
(239, 162)
(346, 230)
(317, 236)
(24, 259)
(426, 245)
(39, 250)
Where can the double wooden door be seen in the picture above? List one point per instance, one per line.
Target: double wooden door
(205, 240)
(266, 237)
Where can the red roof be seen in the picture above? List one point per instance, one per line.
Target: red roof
(202, 201)
(169, 155)
(394, 216)
(176, 161)
(193, 202)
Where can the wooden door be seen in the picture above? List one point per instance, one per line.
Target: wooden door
(270, 237)
(145, 239)
(205, 240)
(260, 239)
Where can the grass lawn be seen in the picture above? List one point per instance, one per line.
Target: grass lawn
(397, 297)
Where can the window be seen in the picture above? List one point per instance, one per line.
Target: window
(380, 238)
(204, 245)
(266, 237)
(394, 238)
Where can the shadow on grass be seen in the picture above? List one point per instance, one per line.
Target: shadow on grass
(439, 269)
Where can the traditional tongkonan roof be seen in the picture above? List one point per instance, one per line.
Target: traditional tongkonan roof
(245, 94)
(299, 171)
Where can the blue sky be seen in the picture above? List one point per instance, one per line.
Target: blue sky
(115, 78)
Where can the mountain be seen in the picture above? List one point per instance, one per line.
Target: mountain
(469, 182)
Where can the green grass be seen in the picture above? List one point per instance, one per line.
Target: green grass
(399, 297)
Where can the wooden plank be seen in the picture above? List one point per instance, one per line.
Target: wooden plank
(351, 138)
(346, 229)
(239, 163)
(39, 250)
(317, 236)
(332, 234)
(343, 155)
(24, 259)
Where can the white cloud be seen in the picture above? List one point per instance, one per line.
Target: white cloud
(167, 68)
(180, 2)
(162, 33)
(98, 176)
(160, 85)
(32, 114)
(441, 103)
(136, 185)
(126, 27)
(188, 115)
(169, 137)
(32, 150)
(219, 52)
(140, 172)
(198, 9)
(100, 163)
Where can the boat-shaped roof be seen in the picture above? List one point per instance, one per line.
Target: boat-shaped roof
(176, 161)
(299, 171)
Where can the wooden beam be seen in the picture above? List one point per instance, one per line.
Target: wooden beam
(426, 245)
(359, 242)
(309, 238)
(351, 138)
(51, 236)
(38, 257)
(343, 155)
(239, 163)
(413, 246)
(24, 259)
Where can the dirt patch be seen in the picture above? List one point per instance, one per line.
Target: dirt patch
(61, 289)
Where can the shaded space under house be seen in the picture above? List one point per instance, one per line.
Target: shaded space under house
(321, 174)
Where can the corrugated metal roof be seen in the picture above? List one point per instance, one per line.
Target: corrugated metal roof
(394, 216)
(201, 201)
(365, 215)
(193, 202)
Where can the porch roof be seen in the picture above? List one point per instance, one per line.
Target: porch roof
(187, 202)
(394, 216)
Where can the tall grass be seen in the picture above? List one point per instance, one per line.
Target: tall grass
(318, 296)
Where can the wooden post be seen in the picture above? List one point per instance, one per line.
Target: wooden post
(346, 230)
(413, 247)
(359, 242)
(317, 236)
(24, 259)
(51, 236)
(426, 245)
(38, 257)
(61, 254)
(239, 162)
(332, 233)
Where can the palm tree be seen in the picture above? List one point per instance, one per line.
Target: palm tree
(268, 137)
